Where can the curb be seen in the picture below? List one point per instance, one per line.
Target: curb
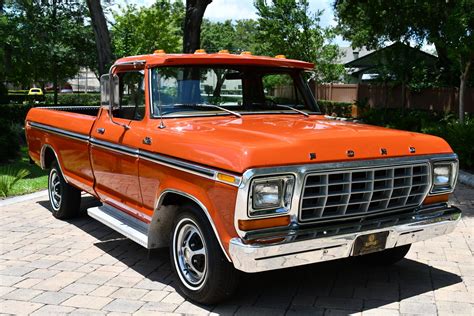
(466, 178)
(22, 198)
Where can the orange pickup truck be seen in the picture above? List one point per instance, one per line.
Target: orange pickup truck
(227, 160)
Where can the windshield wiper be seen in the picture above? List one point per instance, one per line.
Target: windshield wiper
(292, 108)
(208, 106)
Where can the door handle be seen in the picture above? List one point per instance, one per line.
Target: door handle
(101, 130)
(147, 140)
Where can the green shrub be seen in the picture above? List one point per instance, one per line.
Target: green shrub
(459, 136)
(340, 109)
(14, 113)
(409, 120)
(9, 141)
(9, 177)
(84, 99)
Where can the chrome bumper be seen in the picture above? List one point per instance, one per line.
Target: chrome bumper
(290, 248)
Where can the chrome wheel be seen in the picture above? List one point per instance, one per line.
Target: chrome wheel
(190, 253)
(54, 189)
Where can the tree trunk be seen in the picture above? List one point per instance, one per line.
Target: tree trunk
(462, 90)
(102, 35)
(192, 24)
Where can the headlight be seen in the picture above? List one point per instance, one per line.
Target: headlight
(271, 195)
(444, 176)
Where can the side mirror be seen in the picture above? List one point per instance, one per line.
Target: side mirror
(109, 96)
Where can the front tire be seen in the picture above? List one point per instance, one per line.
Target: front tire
(386, 257)
(204, 273)
(64, 199)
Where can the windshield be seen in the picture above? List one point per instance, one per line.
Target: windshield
(196, 91)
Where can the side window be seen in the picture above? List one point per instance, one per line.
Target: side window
(281, 89)
(131, 96)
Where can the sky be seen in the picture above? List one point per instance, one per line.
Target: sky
(221, 10)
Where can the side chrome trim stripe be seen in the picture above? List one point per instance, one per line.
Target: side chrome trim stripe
(171, 161)
(59, 131)
(135, 152)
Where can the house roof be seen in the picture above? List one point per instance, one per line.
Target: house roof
(388, 53)
(349, 54)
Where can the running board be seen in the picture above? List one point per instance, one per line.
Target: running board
(121, 222)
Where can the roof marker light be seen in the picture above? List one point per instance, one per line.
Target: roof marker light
(200, 51)
(159, 52)
(223, 51)
(280, 56)
(246, 53)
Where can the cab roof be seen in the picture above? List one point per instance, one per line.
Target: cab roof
(162, 59)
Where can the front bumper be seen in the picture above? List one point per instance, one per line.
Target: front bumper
(299, 245)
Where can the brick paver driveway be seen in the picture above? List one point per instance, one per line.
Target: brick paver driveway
(83, 267)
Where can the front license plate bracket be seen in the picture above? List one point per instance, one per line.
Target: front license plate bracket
(369, 243)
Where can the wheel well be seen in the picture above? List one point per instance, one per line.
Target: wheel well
(163, 217)
(48, 157)
(172, 198)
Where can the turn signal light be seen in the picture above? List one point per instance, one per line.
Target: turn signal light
(200, 51)
(227, 178)
(436, 199)
(252, 224)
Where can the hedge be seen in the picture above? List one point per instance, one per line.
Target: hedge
(340, 109)
(84, 99)
(459, 136)
(14, 113)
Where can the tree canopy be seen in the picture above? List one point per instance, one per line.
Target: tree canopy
(142, 30)
(447, 24)
(44, 41)
(288, 27)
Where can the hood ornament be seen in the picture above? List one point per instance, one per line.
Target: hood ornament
(312, 156)
(350, 153)
(383, 151)
(412, 150)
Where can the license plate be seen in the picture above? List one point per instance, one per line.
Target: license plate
(370, 243)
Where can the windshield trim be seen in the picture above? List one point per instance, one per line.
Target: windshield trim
(303, 87)
(196, 114)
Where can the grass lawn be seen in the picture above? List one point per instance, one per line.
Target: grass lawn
(36, 181)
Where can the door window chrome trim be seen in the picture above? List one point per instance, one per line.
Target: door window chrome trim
(299, 171)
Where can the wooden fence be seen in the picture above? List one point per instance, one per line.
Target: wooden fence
(379, 96)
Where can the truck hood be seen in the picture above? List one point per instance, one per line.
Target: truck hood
(237, 144)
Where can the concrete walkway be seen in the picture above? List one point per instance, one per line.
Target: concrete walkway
(49, 267)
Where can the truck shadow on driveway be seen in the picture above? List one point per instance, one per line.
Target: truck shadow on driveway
(344, 285)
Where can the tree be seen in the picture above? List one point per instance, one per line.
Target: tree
(235, 36)
(218, 35)
(288, 27)
(143, 30)
(446, 24)
(192, 24)
(48, 41)
(101, 34)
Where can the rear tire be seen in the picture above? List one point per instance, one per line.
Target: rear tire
(64, 199)
(204, 273)
(386, 257)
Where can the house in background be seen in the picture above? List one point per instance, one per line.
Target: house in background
(391, 63)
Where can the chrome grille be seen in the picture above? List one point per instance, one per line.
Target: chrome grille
(359, 191)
